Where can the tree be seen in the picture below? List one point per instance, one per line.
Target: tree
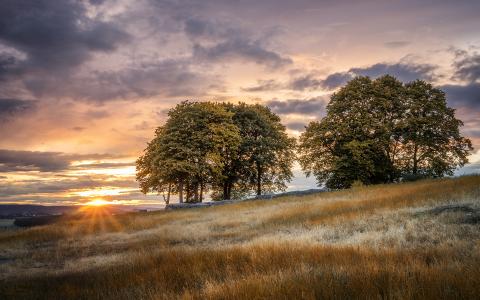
(188, 150)
(433, 145)
(152, 174)
(382, 131)
(264, 158)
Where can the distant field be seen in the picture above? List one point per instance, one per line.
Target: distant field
(402, 241)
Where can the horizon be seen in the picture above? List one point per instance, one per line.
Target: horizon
(84, 84)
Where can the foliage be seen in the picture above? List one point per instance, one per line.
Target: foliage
(383, 131)
(234, 148)
(265, 156)
(188, 151)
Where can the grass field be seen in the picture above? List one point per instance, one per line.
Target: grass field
(403, 241)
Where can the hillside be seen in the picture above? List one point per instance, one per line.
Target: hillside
(411, 241)
(19, 210)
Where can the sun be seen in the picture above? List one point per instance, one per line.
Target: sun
(97, 202)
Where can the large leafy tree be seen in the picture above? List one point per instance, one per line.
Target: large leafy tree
(382, 131)
(188, 151)
(433, 145)
(264, 158)
(235, 149)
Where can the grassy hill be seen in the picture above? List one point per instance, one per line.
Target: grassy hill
(408, 241)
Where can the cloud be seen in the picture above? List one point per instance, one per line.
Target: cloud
(335, 80)
(466, 100)
(467, 67)
(52, 49)
(170, 78)
(30, 187)
(217, 40)
(396, 44)
(13, 160)
(54, 35)
(212, 30)
(402, 71)
(240, 48)
(312, 106)
(49, 41)
(11, 107)
(463, 95)
(103, 166)
(297, 126)
(307, 82)
(7, 66)
(264, 85)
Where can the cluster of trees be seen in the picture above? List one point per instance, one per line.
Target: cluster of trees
(380, 131)
(231, 150)
(375, 131)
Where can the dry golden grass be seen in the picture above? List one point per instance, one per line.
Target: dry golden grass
(373, 242)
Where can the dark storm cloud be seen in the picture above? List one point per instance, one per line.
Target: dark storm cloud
(335, 80)
(264, 85)
(467, 67)
(313, 106)
(405, 72)
(54, 35)
(230, 42)
(169, 78)
(13, 160)
(29, 187)
(7, 65)
(240, 48)
(466, 99)
(307, 82)
(199, 29)
(51, 39)
(402, 71)
(463, 95)
(103, 166)
(96, 2)
(12, 107)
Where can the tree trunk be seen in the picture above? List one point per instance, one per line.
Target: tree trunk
(169, 191)
(229, 190)
(201, 191)
(180, 191)
(188, 192)
(415, 162)
(259, 179)
(196, 195)
(225, 191)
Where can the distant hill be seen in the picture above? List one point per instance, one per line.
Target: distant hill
(25, 210)
(9, 211)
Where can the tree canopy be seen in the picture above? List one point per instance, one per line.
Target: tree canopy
(374, 131)
(223, 147)
(379, 131)
(265, 156)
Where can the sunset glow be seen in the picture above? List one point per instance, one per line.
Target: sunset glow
(79, 103)
(97, 202)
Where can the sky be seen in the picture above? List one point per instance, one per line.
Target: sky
(83, 84)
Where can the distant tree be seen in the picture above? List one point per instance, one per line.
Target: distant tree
(188, 151)
(265, 156)
(383, 131)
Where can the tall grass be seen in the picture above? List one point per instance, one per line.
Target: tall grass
(366, 243)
